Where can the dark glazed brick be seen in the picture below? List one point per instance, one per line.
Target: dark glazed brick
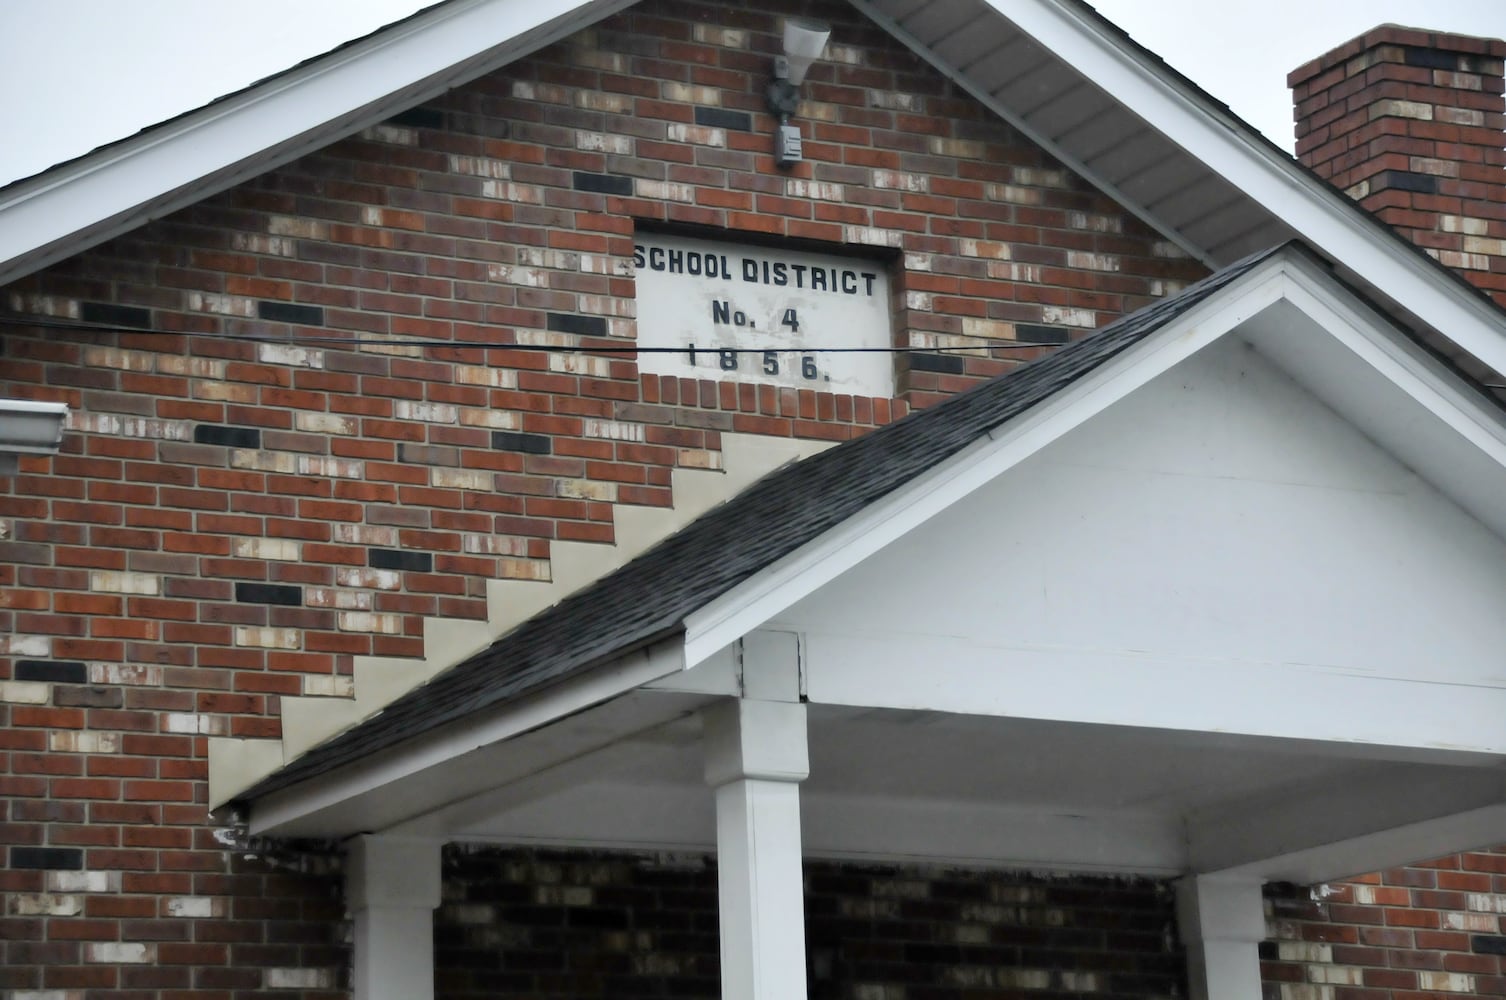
(286, 312)
(587, 326)
(603, 183)
(230, 437)
(739, 121)
(417, 562)
(58, 671)
(533, 444)
(269, 593)
(90, 696)
(1031, 333)
(1432, 58)
(946, 364)
(1404, 180)
(51, 858)
(419, 118)
(113, 315)
(1482, 944)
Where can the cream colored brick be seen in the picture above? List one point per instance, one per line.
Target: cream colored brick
(493, 545)
(73, 741)
(300, 979)
(367, 621)
(601, 142)
(1095, 223)
(918, 262)
(287, 354)
(45, 904)
(365, 534)
(113, 582)
(326, 423)
(681, 93)
(597, 100)
(698, 458)
(133, 674)
(393, 135)
(523, 569)
(114, 357)
(195, 724)
(612, 430)
(267, 638)
(120, 953)
(1401, 109)
(1475, 923)
(1036, 177)
(895, 101)
(194, 906)
(45, 305)
(580, 364)
(60, 881)
(480, 166)
(872, 236)
(527, 194)
(499, 378)
(1485, 902)
(644, 187)
(220, 305)
(263, 461)
(1086, 319)
(1336, 975)
(225, 392)
(277, 549)
(1092, 261)
(967, 149)
(1463, 224)
(503, 420)
(374, 579)
(699, 135)
(291, 225)
(26, 645)
(174, 364)
(273, 246)
(587, 489)
(326, 467)
(899, 181)
(1446, 982)
(508, 274)
(1460, 261)
(343, 600)
(550, 93)
(25, 692)
(331, 685)
(462, 479)
(711, 34)
(429, 413)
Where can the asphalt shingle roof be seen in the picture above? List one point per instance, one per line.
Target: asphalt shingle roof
(649, 598)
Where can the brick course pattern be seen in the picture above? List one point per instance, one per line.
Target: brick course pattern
(1408, 123)
(525, 924)
(1422, 932)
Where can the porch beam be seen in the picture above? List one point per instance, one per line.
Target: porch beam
(756, 755)
(392, 888)
(1222, 921)
(1352, 823)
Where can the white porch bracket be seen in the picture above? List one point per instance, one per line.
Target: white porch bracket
(755, 759)
(391, 889)
(1222, 921)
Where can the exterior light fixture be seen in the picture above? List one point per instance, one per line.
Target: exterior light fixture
(28, 428)
(804, 41)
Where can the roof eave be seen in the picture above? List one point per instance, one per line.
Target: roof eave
(87, 201)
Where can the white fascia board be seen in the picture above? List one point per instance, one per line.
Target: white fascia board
(77, 205)
(1323, 216)
(1432, 384)
(370, 775)
(767, 593)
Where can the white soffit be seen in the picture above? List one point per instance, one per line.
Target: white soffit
(1173, 156)
(79, 204)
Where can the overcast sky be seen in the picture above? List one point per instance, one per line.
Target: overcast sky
(79, 73)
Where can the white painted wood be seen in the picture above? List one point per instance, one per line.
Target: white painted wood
(359, 796)
(755, 759)
(769, 592)
(1222, 921)
(771, 666)
(392, 888)
(77, 205)
(1211, 544)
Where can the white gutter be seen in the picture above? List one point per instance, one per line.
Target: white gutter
(29, 428)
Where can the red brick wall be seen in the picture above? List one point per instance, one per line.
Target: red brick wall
(1431, 930)
(524, 924)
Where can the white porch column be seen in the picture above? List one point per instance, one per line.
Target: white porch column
(755, 759)
(1222, 922)
(392, 888)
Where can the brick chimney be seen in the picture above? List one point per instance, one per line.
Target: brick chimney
(1409, 123)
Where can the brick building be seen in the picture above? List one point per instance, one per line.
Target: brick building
(343, 610)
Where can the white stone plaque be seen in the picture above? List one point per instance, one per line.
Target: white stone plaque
(728, 311)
